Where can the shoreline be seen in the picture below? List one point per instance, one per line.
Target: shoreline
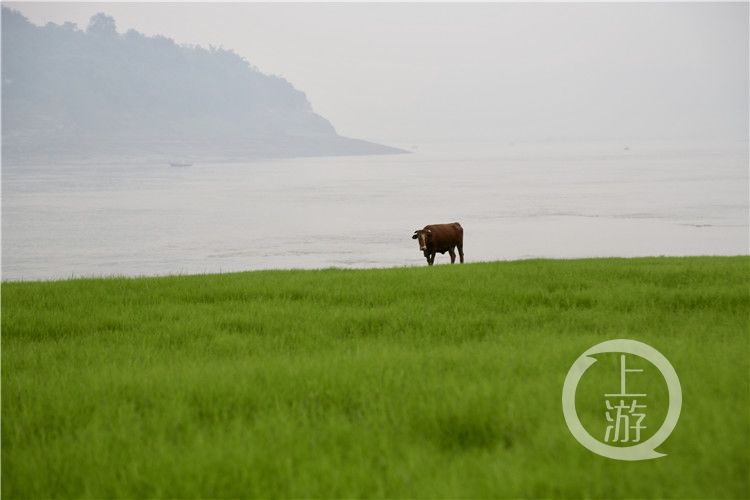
(290, 270)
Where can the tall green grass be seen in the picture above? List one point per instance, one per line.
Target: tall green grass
(411, 382)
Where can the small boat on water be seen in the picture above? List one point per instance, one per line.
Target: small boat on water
(180, 164)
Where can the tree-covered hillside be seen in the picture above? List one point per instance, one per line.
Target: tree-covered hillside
(69, 93)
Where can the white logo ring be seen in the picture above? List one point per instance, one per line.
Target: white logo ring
(642, 451)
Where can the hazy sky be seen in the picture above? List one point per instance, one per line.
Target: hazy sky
(406, 73)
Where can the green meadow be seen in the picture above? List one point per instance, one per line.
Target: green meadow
(405, 382)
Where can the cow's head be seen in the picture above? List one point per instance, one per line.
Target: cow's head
(423, 235)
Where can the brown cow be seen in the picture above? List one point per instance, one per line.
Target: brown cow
(441, 238)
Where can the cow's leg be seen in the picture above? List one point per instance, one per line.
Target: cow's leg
(461, 251)
(432, 258)
(452, 251)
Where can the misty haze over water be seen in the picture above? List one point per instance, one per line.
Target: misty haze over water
(406, 73)
(520, 201)
(547, 130)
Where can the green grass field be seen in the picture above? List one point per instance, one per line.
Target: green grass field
(409, 382)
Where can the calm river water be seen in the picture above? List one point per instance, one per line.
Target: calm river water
(514, 201)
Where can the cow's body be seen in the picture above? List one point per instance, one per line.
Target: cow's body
(441, 238)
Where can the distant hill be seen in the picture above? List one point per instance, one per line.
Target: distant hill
(69, 94)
